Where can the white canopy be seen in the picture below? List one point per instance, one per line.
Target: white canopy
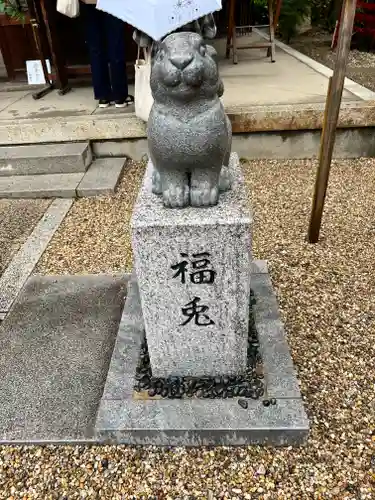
(157, 18)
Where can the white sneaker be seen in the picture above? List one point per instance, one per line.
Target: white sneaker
(103, 103)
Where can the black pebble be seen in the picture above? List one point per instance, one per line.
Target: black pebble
(145, 385)
(225, 394)
(158, 390)
(192, 383)
(236, 390)
(164, 392)
(242, 391)
(266, 402)
(104, 463)
(151, 392)
(243, 403)
(260, 392)
(273, 401)
(173, 380)
(225, 380)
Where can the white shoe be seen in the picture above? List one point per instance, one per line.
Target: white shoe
(103, 103)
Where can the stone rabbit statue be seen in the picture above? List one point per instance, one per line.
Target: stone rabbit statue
(189, 134)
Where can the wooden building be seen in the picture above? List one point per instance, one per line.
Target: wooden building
(62, 41)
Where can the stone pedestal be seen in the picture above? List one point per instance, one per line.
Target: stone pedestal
(193, 272)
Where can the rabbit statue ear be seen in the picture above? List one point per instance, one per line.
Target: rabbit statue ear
(211, 51)
(141, 39)
(208, 27)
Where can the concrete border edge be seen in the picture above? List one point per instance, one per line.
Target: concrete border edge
(355, 88)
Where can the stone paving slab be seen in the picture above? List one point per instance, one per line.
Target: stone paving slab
(77, 102)
(23, 263)
(55, 348)
(11, 98)
(17, 220)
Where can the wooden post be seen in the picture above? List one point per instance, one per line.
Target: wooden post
(277, 14)
(331, 115)
(35, 24)
(49, 14)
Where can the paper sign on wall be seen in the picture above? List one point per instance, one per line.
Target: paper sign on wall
(35, 74)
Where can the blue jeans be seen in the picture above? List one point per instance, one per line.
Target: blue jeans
(105, 40)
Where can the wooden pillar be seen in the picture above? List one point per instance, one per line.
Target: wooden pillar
(231, 28)
(49, 14)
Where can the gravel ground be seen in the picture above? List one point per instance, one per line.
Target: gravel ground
(316, 44)
(326, 297)
(17, 220)
(95, 237)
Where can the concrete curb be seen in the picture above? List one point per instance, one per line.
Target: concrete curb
(351, 86)
(22, 265)
(245, 119)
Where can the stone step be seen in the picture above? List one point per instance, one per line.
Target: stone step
(40, 186)
(100, 179)
(39, 159)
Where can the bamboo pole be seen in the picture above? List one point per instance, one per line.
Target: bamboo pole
(331, 115)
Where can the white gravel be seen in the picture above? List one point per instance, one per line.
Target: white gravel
(326, 294)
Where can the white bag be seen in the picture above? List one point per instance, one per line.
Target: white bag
(143, 96)
(69, 8)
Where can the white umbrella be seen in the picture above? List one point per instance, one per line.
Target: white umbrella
(157, 18)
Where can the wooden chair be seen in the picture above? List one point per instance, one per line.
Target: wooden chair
(232, 34)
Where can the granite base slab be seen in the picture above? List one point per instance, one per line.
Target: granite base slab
(121, 419)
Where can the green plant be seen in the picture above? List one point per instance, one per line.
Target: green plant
(13, 9)
(293, 12)
(324, 13)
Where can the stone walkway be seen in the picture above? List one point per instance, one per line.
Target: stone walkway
(254, 81)
(17, 220)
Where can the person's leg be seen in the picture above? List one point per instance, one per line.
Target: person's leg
(94, 22)
(116, 54)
